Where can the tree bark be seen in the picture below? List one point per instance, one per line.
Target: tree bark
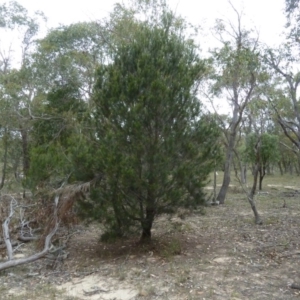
(147, 221)
(243, 173)
(280, 168)
(147, 225)
(25, 150)
(5, 141)
(262, 173)
(258, 220)
(215, 185)
(227, 167)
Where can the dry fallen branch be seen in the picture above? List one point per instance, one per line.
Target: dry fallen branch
(5, 227)
(15, 262)
(96, 291)
(68, 195)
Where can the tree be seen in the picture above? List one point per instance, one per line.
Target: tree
(291, 5)
(284, 93)
(292, 11)
(64, 67)
(55, 136)
(69, 55)
(16, 86)
(283, 63)
(265, 153)
(237, 68)
(155, 144)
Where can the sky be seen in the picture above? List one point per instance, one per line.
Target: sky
(265, 16)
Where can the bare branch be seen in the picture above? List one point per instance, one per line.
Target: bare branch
(290, 148)
(34, 257)
(5, 228)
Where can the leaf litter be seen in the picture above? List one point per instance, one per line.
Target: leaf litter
(219, 255)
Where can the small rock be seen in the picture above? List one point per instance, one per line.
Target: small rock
(222, 260)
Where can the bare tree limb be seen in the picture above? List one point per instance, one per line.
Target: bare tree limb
(36, 256)
(5, 227)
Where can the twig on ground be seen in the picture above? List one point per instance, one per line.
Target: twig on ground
(96, 291)
(295, 286)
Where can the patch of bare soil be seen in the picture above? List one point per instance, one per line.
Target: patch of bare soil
(219, 255)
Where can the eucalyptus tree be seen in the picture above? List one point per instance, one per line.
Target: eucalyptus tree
(284, 97)
(69, 55)
(64, 67)
(262, 149)
(288, 155)
(292, 9)
(155, 144)
(15, 86)
(237, 71)
(284, 66)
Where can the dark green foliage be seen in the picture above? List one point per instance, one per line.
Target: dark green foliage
(58, 145)
(156, 146)
(140, 136)
(60, 106)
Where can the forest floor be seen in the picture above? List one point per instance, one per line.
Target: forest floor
(221, 254)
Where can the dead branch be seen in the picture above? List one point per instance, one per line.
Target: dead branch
(26, 232)
(5, 227)
(96, 291)
(36, 256)
(68, 195)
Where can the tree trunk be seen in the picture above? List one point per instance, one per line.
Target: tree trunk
(243, 174)
(118, 230)
(26, 157)
(268, 169)
(262, 173)
(297, 170)
(298, 167)
(215, 185)
(236, 119)
(260, 182)
(258, 220)
(147, 221)
(236, 171)
(280, 168)
(291, 169)
(5, 142)
(227, 168)
(147, 225)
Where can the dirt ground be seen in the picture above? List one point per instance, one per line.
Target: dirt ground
(218, 255)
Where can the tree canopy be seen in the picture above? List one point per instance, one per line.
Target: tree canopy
(156, 145)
